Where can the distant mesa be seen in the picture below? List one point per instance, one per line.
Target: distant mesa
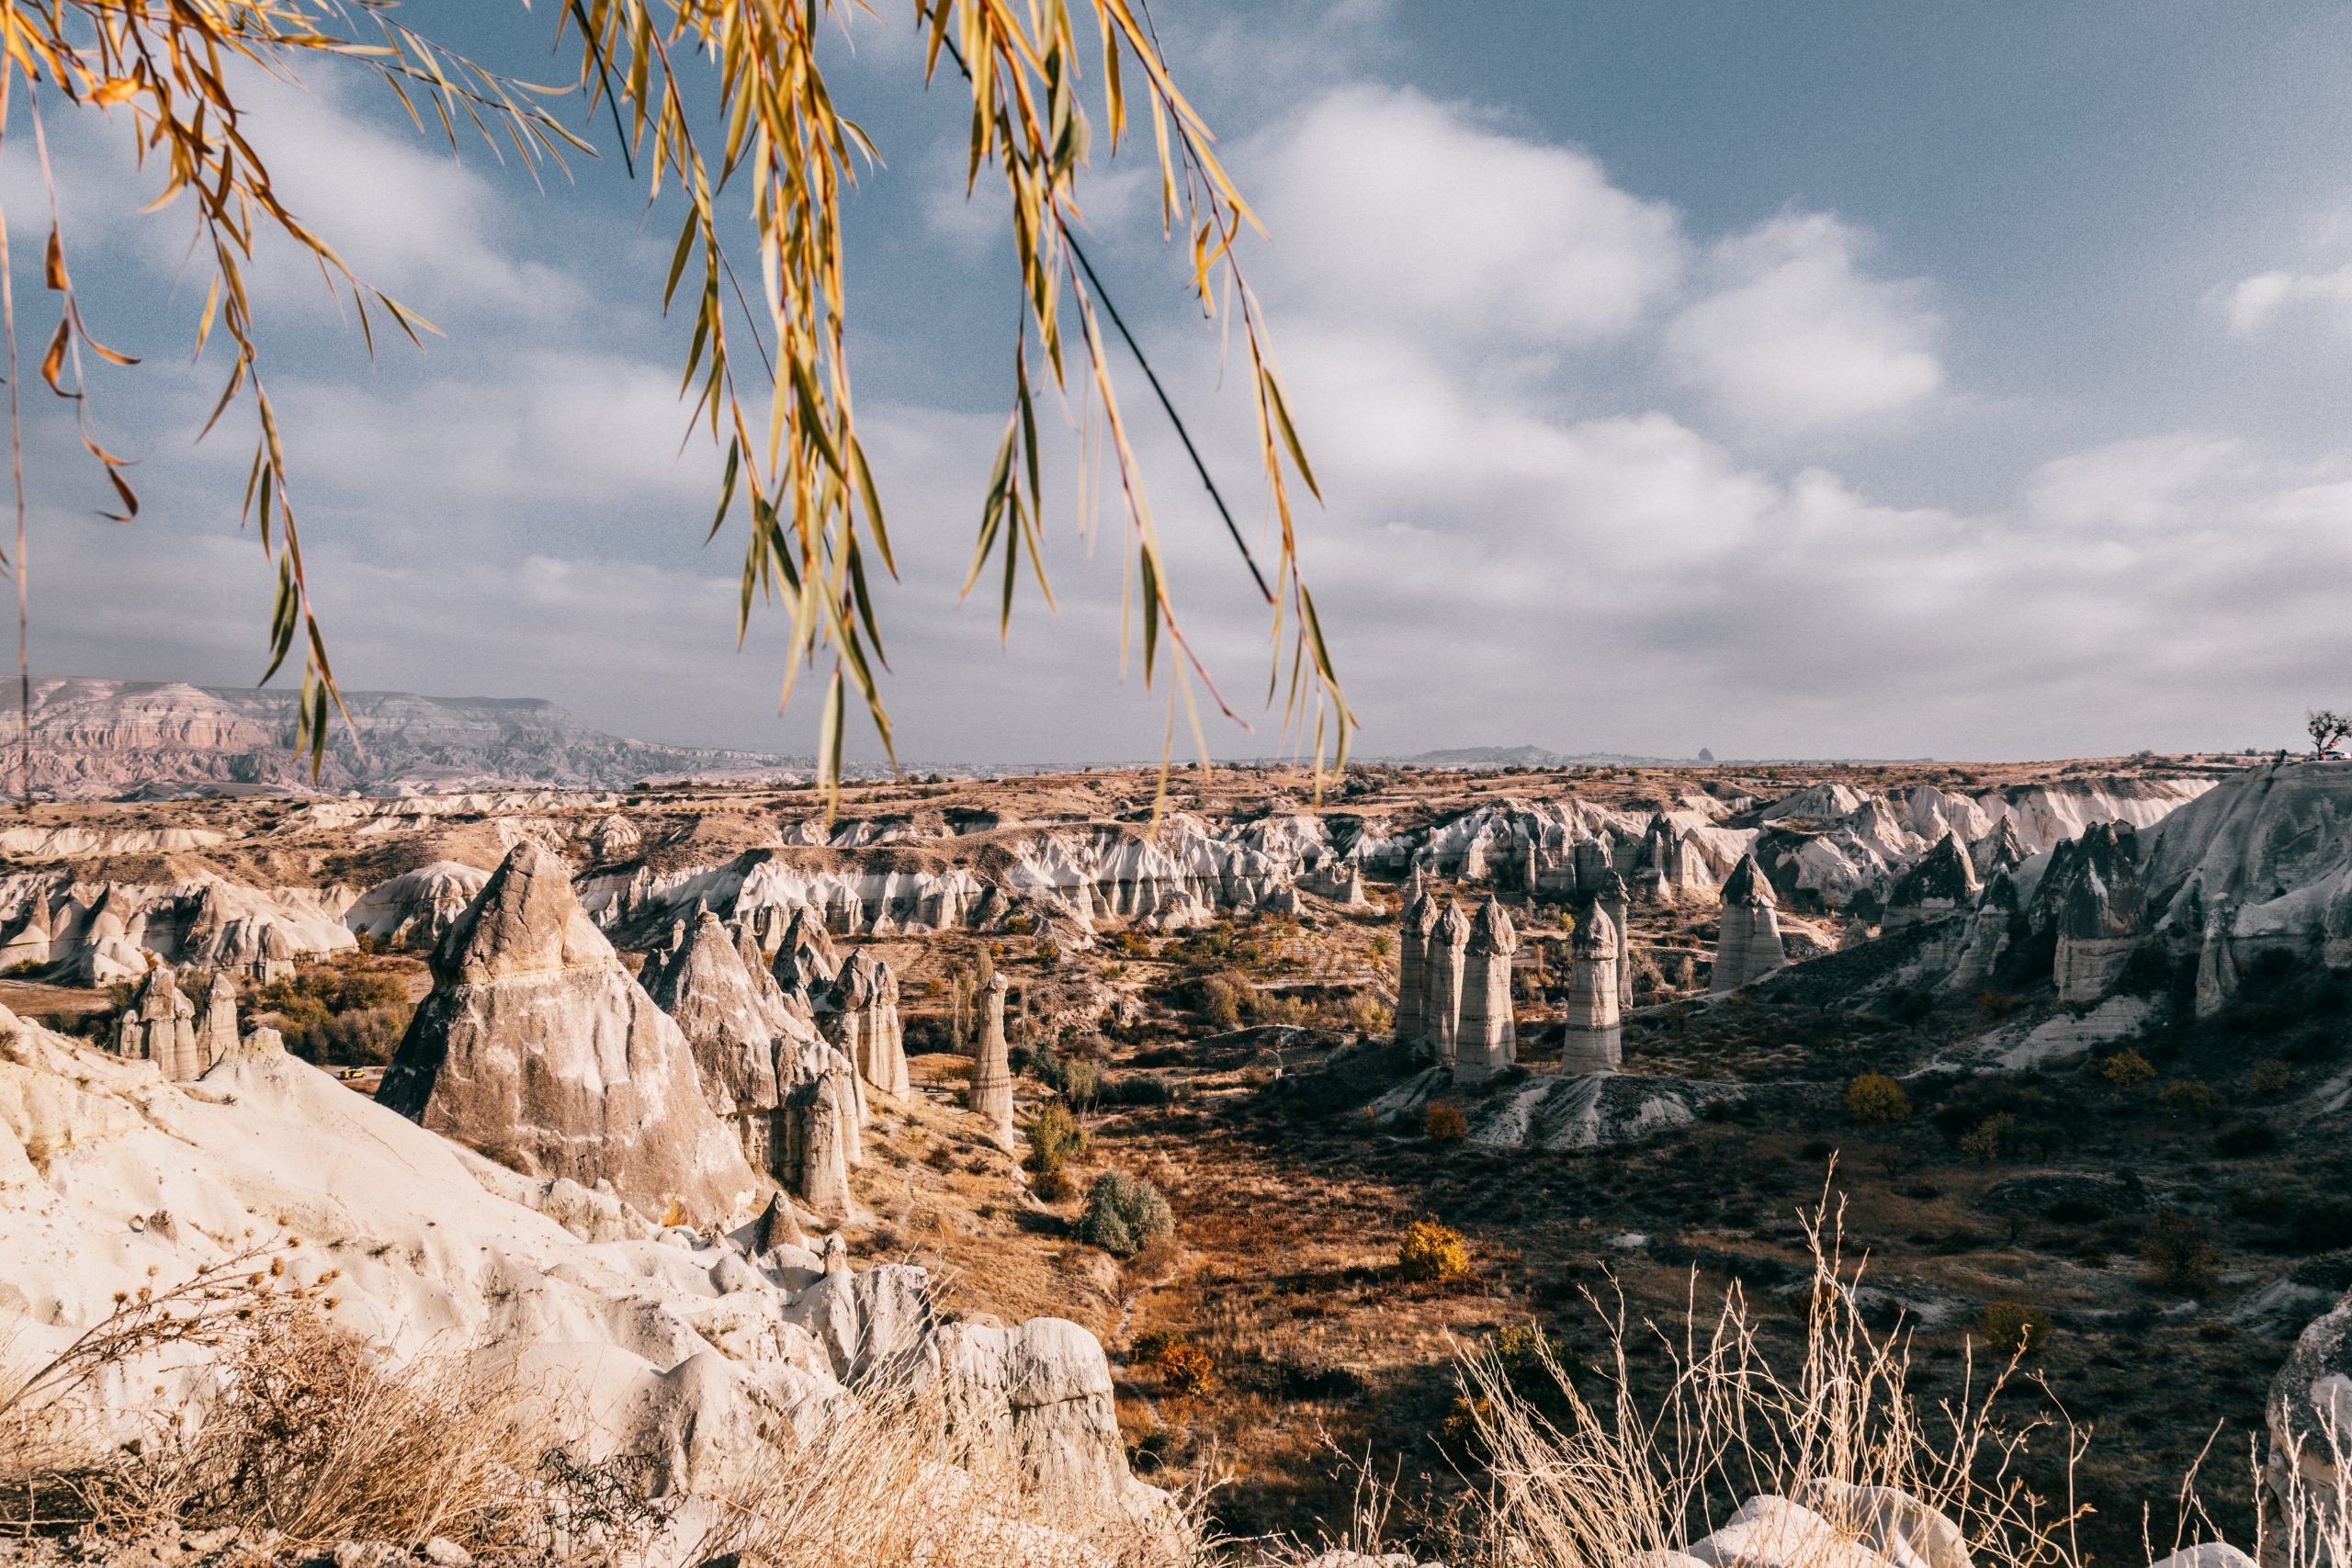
(95, 739)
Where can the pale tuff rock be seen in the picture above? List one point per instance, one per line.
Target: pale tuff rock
(2090, 891)
(2217, 962)
(536, 1048)
(992, 1092)
(28, 943)
(1443, 960)
(1987, 934)
(1772, 1532)
(2001, 850)
(1666, 868)
(2309, 1416)
(1943, 882)
(805, 959)
(1592, 1040)
(1420, 918)
(745, 1046)
(690, 1354)
(2275, 842)
(1557, 1111)
(417, 908)
(216, 1031)
(1747, 944)
(860, 1015)
(1488, 1041)
(160, 1027)
(1611, 897)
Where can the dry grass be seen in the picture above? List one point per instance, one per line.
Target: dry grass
(894, 1484)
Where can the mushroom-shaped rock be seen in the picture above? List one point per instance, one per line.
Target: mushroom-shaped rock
(538, 1049)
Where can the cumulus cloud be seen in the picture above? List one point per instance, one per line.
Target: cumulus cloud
(1793, 338)
(2253, 305)
(1385, 204)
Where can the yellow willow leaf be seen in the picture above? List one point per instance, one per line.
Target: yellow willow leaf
(115, 90)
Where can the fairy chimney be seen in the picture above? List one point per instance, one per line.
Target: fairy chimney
(1412, 960)
(1442, 961)
(1487, 1043)
(1592, 1041)
(992, 1091)
(1747, 943)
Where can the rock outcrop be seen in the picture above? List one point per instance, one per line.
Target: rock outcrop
(1747, 942)
(160, 1027)
(692, 1354)
(538, 1049)
(1488, 1041)
(1943, 884)
(2090, 893)
(1592, 1036)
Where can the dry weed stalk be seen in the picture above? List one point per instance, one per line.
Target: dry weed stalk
(1598, 1482)
(307, 1432)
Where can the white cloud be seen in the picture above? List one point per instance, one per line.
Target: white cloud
(1388, 207)
(2255, 304)
(1794, 339)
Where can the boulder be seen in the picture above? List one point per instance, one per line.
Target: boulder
(538, 1049)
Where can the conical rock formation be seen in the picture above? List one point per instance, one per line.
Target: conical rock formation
(536, 1048)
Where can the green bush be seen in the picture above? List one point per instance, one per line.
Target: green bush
(1122, 1214)
(1055, 1138)
(1220, 1003)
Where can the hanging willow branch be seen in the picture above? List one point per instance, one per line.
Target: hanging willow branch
(780, 155)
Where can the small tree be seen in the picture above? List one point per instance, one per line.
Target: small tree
(1983, 1145)
(1445, 1124)
(2326, 728)
(2126, 1070)
(1876, 1098)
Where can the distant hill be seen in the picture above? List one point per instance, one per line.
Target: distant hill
(96, 740)
(1476, 757)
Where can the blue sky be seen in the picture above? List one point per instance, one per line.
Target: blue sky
(1826, 379)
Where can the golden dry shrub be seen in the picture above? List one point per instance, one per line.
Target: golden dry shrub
(1186, 1371)
(1445, 1124)
(2013, 1328)
(2126, 1070)
(1432, 1253)
(1874, 1099)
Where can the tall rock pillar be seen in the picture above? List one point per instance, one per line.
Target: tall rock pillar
(1488, 1041)
(1614, 900)
(1413, 961)
(1747, 943)
(1442, 981)
(992, 1092)
(1593, 1041)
